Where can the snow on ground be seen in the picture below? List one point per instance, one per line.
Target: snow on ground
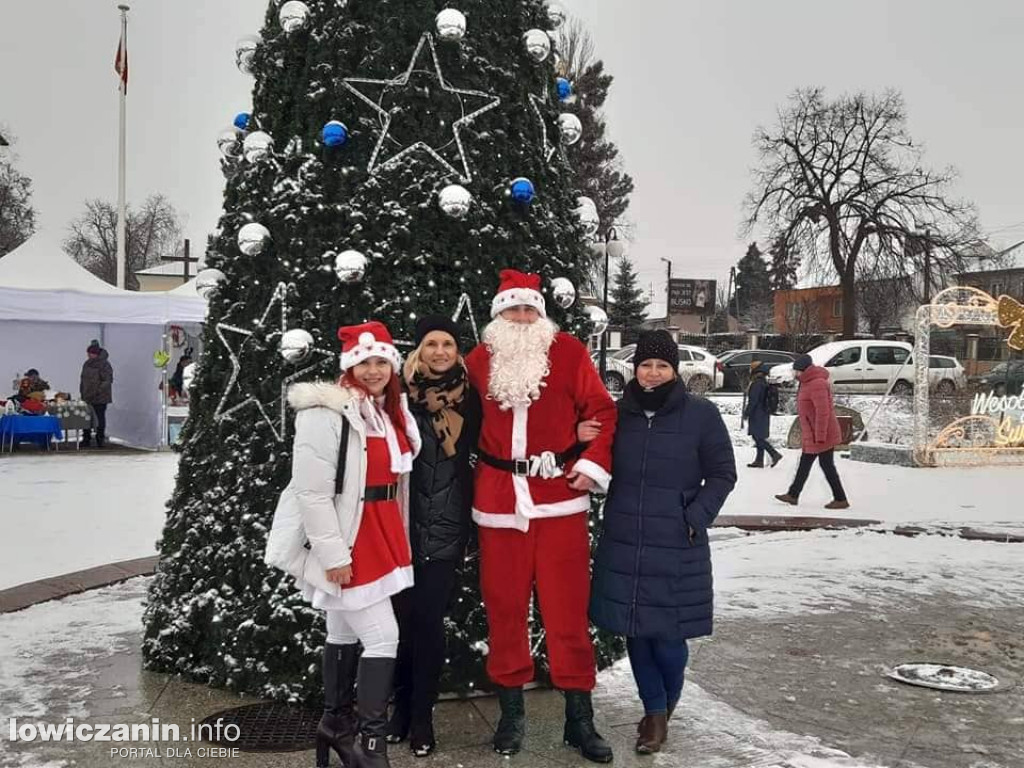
(63, 513)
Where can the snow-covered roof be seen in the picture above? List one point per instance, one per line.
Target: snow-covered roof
(171, 269)
(40, 264)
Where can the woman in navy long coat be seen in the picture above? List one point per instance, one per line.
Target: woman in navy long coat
(673, 467)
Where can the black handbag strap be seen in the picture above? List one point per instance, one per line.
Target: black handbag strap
(339, 478)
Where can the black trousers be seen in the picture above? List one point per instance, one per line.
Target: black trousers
(101, 425)
(762, 446)
(827, 460)
(420, 611)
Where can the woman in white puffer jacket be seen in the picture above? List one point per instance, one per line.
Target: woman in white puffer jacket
(341, 529)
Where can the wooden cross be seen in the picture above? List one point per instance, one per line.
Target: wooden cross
(184, 259)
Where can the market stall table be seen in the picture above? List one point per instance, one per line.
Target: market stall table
(37, 429)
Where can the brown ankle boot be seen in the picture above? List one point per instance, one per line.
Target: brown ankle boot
(785, 498)
(653, 733)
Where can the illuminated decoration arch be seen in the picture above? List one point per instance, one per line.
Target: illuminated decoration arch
(990, 435)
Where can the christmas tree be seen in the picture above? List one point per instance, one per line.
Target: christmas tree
(398, 154)
(629, 307)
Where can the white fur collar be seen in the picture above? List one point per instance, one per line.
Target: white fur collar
(319, 394)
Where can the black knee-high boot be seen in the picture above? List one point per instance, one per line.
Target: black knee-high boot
(373, 691)
(339, 724)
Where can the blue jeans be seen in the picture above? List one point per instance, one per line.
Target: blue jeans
(658, 668)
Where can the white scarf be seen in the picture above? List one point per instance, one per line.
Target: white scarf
(378, 424)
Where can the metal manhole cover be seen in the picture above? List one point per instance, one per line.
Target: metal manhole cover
(945, 678)
(270, 727)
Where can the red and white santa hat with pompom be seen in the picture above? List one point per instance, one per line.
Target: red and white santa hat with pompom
(361, 342)
(518, 289)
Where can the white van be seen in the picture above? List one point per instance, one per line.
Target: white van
(860, 367)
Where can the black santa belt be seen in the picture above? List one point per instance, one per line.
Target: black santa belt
(535, 466)
(381, 493)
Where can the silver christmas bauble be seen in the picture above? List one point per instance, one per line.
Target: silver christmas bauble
(563, 292)
(598, 321)
(245, 48)
(571, 128)
(585, 202)
(451, 25)
(208, 281)
(257, 145)
(455, 200)
(556, 15)
(253, 239)
(229, 142)
(296, 346)
(589, 218)
(538, 44)
(350, 266)
(293, 16)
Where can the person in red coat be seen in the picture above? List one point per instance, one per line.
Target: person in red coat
(531, 503)
(819, 429)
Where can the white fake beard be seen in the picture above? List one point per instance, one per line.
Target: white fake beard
(519, 359)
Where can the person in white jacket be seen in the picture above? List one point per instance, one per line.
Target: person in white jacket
(341, 528)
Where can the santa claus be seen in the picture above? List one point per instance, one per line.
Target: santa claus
(531, 499)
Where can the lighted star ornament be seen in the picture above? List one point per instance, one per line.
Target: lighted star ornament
(1011, 315)
(279, 428)
(402, 82)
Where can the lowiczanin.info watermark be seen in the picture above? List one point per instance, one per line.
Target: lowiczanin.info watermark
(146, 739)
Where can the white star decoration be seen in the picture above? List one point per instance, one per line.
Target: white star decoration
(466, 305)
(279, 428)
(536, 103)
(402, 81)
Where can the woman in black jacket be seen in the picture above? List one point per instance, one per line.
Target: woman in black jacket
(447, 411)
(759, 416)
(672, 469)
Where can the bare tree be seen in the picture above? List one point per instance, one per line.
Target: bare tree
(843, 181)
(17, 216)
(154, 231)
(758, 315)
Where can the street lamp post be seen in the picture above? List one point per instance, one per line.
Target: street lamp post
(610, 248)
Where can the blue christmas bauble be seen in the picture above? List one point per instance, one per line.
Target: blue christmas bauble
(242, 121)
(522, 191)
(564, 89)
(335, 134)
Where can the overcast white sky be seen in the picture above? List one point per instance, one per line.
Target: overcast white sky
(693, 80)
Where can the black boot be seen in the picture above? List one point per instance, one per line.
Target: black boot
(579, 728)
(373, 691)
(421, 730)
(401, 715)
(86, 441)
(101, 439)
(338, 726)
(508, 738)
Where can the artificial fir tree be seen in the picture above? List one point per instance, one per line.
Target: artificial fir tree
(325, 171)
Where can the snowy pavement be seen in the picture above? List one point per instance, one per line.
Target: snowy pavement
(67, 512)
(793, 678)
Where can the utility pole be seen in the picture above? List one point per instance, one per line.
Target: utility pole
(927, 267)
(668, 294)
(121, 154)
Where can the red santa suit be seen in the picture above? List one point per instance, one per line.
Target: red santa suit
(533, 527)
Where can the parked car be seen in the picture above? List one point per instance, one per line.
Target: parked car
(736, 365)
(1007, 378)
(699, 369)
(945, 374)
(870, 366)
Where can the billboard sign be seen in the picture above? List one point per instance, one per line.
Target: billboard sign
(692, 297)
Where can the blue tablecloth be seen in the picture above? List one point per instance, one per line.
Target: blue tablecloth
(36, 429)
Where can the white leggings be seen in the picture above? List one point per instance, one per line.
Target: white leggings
(374, 626)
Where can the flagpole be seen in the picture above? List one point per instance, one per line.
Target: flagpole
(121, 162)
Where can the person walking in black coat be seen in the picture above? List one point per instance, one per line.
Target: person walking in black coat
(673, 467)
(759, 416)
(447, 411)
(96, 387)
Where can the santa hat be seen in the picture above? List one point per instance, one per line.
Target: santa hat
(518, 289)
(361, 342)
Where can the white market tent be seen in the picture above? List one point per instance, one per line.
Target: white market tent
(51, 308)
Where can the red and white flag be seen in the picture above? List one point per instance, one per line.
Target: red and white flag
(121, 62)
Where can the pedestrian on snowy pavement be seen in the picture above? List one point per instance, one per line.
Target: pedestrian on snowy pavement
(758, 414)
(673, 467)
(820, 432)
(96, 388)
(355, 442)
(447, 413)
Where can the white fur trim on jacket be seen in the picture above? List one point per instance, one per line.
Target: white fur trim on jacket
(309, 510)
(516, 297)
